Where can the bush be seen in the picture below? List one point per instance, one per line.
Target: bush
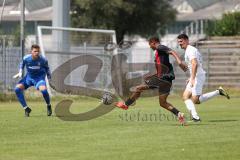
(229, 25)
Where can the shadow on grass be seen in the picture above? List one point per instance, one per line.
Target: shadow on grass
(223, 120)
(192, 124)
(206, 124)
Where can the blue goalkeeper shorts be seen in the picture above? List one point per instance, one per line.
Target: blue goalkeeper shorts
(28, 81)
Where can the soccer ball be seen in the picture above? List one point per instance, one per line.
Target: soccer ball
(107, 98)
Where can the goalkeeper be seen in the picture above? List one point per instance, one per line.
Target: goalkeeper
(37, 69)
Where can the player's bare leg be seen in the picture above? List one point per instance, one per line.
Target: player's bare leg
(135, 95)
(163, 103)
(195, 99)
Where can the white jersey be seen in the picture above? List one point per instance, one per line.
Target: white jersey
(191, 53)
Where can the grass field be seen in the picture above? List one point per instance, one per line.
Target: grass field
(130, 135)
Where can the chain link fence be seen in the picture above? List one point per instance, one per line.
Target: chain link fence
(222, 65)
(10, 57)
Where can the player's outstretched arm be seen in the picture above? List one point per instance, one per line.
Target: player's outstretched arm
(182, 65)
(20, 72)
(47, 70)
(18, 75)
(194, 71)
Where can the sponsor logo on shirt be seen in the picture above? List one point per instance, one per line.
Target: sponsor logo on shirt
(34, 67)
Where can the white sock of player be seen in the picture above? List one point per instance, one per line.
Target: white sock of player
(208, 96)
(191, 107)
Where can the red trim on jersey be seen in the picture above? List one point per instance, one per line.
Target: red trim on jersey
(158, 64)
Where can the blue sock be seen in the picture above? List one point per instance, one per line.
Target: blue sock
(46, 96)
(20, 97)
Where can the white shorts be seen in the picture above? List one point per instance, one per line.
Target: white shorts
(196, 90)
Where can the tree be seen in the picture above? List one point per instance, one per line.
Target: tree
(142, 17)
(229, 25)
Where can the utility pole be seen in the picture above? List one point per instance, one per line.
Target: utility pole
(22, 25)
(61, 18)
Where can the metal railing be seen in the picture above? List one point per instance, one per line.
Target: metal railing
(195, 30)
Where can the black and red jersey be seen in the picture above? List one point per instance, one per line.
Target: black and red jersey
(162, 63)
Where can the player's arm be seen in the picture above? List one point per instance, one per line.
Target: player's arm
(47, 70)
(178, 59)
(21, 68)
(194, 65)
(175, 55)
(151, 74)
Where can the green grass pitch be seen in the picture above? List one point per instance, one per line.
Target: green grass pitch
(145, 131)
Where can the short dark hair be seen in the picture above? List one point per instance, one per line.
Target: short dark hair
(35, 46)
(182, 36)
(154, 39)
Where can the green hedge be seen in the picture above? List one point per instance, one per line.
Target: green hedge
(229, 25)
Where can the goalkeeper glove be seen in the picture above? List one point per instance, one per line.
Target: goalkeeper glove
(18, 75)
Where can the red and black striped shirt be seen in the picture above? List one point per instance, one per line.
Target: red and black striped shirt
(162, 63)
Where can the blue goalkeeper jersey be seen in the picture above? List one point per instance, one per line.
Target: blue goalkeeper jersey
(35, 68)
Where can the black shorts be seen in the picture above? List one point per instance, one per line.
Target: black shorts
(163, 84)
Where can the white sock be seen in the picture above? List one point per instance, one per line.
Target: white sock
(191, 107)
(25, 107)
(208, 96)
